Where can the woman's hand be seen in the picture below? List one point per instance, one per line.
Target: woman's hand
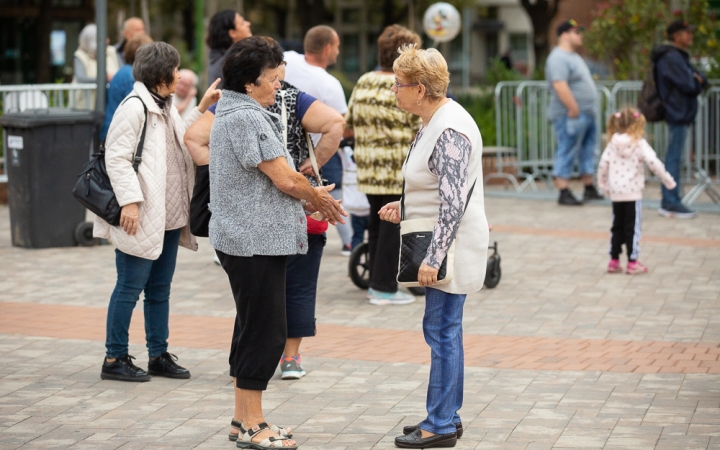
(427, 276)
(390, 212)
(129, 218)
(327, 205)
(212, 95)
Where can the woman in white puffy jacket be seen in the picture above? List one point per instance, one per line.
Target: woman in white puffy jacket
(155, 208)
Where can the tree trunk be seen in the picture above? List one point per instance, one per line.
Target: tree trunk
(44, 26)
(541, 13)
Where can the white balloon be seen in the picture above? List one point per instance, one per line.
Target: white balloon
(442, 22)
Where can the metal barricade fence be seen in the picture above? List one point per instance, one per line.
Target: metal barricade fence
(18, 98)
(706, 158)
(524, 132)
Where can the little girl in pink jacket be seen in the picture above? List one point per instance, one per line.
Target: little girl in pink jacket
(621, 175)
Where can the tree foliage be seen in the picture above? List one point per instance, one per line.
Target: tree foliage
(624, 32)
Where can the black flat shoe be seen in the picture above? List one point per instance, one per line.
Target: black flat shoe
(410, 428)
(415, 440)
(165, 366)
(123, 369)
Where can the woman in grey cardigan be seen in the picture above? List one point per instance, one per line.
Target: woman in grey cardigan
(257, 201)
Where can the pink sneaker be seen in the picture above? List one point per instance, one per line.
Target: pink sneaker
(635, 268)
(614, 266)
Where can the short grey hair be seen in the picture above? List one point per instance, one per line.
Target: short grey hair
(155, 64)
(87, 41)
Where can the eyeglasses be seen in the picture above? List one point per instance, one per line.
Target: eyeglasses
(398, 85)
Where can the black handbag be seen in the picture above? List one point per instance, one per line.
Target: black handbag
(199, 211)
(93, 188)
(416, 235)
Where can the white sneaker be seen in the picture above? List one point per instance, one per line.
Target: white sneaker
(390, 298)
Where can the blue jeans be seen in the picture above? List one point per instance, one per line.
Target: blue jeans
(673, 163)
(301, 288)
(359, 225)
(442, 327)
(134, 276)
(575, 137)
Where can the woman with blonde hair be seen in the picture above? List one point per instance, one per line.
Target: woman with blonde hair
(443, 181)
(383, 133)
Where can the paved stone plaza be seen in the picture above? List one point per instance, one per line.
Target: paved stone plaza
(559, 355)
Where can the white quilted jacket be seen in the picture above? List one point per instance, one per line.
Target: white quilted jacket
(147, 187)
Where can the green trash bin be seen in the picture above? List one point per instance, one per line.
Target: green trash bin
(45, 149)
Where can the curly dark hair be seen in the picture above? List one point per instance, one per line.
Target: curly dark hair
(247, 59)
(155, 64)
(220, 23)
(392, 38)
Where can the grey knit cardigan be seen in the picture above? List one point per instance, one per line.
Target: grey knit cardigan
(250, 216)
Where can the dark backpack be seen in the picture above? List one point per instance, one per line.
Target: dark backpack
(649, 102)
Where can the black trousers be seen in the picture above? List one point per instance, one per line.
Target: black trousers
(626, 229)
(384, 246)
(258, 286)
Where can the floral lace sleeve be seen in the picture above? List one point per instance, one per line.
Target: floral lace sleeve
(449, 161)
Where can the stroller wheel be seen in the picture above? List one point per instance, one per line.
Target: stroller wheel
(359, 266)
(493, 273)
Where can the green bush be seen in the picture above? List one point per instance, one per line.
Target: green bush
(482, 108)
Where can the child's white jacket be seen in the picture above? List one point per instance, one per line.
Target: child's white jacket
(621, 174)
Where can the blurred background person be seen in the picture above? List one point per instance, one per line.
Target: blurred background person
(383, 134)
(185, 97)
(85, 64)
(123, 81)
(226, 28)
(132, 27)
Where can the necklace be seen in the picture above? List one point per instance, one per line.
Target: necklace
(434, 111)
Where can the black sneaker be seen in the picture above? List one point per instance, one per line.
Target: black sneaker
(678, 211)
(165, 366)
(123, 369)
(591, 193)
(567, 198)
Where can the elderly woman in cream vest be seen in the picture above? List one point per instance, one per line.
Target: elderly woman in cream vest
(443, 180)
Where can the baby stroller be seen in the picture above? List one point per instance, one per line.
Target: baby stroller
(358, 268)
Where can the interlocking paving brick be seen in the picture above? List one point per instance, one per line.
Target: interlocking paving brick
(573, 331)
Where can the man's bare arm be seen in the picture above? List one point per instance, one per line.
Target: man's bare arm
(563, 92)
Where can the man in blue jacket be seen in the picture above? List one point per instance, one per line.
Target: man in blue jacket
(679, 84)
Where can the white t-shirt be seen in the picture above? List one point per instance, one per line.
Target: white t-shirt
(315, 81)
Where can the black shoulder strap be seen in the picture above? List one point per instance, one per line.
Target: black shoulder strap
(138, 152)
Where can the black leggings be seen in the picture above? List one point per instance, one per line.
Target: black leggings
(384, 246)
(627, 222)
(258, 286)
